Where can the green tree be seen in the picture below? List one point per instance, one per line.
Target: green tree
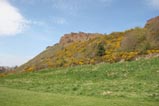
(100, 50)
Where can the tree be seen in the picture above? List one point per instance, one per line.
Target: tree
(100, 50)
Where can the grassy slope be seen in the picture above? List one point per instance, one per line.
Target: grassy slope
(127, 84)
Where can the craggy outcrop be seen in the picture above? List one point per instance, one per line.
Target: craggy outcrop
(74, 37)
(153, 24)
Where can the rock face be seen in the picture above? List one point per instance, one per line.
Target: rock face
(74, 37)
(153, 24)
(152, 20)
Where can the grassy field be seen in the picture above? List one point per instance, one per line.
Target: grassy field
(12, 97)
(121, 84)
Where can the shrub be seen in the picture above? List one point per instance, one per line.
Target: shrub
(153, 27)
(154, 40)
(29, 69)
(101, 50)
(135, 40)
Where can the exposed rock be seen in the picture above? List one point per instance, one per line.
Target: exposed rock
(81, 36)
(153, 24)
(149, 56)
(152, 20)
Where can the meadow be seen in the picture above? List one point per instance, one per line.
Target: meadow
(134, 83)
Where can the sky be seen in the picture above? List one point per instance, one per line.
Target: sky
(27, 27)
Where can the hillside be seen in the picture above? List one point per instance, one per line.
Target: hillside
(92, 48)
(119, 84)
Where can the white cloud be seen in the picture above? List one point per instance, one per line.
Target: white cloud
(74, 5)
(70, 5)
(37, 23)
(11, 21)
(153, 3)
(105, 1)
(59, 21)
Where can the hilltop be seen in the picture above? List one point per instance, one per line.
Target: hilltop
(92, 48)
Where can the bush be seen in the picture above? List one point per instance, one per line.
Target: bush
(153, 27)
(154, 40)
(136, 40)
(101, 50)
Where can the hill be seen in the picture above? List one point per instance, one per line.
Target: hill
(119, 84)
(92, 48)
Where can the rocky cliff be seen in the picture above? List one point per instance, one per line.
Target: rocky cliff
(81, 36)
(153, 24)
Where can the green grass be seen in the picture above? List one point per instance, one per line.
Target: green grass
(121, 84)
(12, 97)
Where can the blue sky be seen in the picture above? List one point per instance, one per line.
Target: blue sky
(27, 27)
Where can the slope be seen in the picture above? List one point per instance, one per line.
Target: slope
(92, 48)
